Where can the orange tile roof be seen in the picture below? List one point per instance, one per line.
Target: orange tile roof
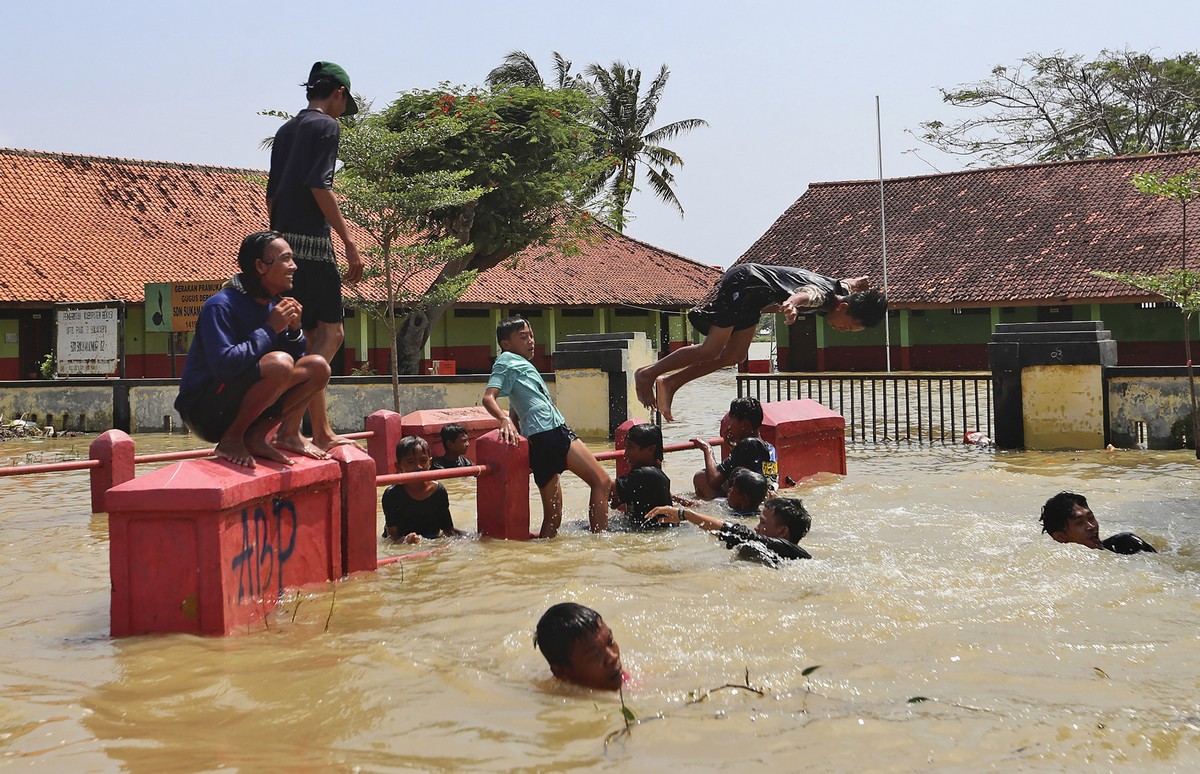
(1005, 235)
(88, 228)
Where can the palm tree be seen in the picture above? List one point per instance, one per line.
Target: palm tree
(519, 69)
(623, 118)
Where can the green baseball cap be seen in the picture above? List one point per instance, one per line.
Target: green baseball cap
(331, 70)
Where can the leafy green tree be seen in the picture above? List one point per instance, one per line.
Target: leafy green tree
(390, 206)
(624, 138)
(1182, 285)
(528, 149)
(1059, 107)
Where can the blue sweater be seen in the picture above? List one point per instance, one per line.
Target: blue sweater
(232, 335)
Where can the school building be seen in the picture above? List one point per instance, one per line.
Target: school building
(967, 250)
(94, 229)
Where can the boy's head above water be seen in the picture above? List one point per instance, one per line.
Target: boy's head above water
(455, 439)
(1068, 519)
(412, 454)
(644, 445)
(745, 417)
(515, 335)
(579, 647)
(784, 517)
(747, 490)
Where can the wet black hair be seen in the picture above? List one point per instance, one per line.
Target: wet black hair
(560, 627)
(747, 407)
(1057, 510)
(753, 485)
(791, 512)
(867, 306)
(451, 432)
(320, 87)
(409, 444)
(646, 434)
(508, 326)
(253, 248)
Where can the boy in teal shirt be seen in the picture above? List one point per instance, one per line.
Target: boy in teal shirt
(553, 448)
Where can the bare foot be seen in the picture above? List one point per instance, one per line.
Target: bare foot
(665, 394)
(300, 446)
(236, 452)
(644, 387)
(260, 448)
(325, 444)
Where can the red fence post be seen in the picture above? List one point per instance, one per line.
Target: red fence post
(502, 495)
(114, 449)
(360, 522)
(386, 428)
(619, 436)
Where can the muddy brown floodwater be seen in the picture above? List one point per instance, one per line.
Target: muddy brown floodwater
(930, 581)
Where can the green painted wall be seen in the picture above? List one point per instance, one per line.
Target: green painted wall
(572, 325)
(942, 326)
(643, 323)
(1129, 322)
(7, 349)
(139, 341)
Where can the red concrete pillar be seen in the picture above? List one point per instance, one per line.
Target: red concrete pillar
(360, 522)
(387, 428)
(502, 495)
(205, 546)
(115, 450)
(619, 436)
(808, 439)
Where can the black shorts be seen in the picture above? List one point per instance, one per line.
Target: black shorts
(548, 453)
(738, 305)
(215, 408)
(317, 285)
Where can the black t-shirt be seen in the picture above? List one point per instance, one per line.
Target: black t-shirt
(641, 490)
(428, 518)
(1127, 543)
(303, 157)
(447, 461)
(754, 547)
(752, 454)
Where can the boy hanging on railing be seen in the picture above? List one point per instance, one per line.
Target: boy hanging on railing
(730, 320)
(553, 447)
(748, 450)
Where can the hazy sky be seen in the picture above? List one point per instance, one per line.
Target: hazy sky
(788, 87)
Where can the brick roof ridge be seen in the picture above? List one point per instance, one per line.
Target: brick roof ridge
(1008, 168)
(29, 153)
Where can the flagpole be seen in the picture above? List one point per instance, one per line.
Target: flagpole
(887, 327)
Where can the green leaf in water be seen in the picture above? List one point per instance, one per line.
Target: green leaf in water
(918, 699)
(809, 670)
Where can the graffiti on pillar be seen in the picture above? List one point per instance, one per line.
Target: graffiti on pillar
(1056, 354)
(259, 565)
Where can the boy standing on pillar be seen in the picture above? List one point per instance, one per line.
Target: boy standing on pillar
(302, 207)
(553, 447)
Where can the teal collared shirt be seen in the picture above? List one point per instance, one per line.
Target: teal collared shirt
(519, 381)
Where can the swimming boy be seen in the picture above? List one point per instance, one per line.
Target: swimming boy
(579, 647)
(1068, 519)
(455, 441)
(747, 490)
(645, 486)
(748, 450)
(730, 320)
(553, 447)
(783, 524)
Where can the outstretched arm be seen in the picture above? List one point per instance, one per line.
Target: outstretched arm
(670, 514)
(856, 284)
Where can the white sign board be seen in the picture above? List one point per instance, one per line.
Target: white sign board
(88, 340)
